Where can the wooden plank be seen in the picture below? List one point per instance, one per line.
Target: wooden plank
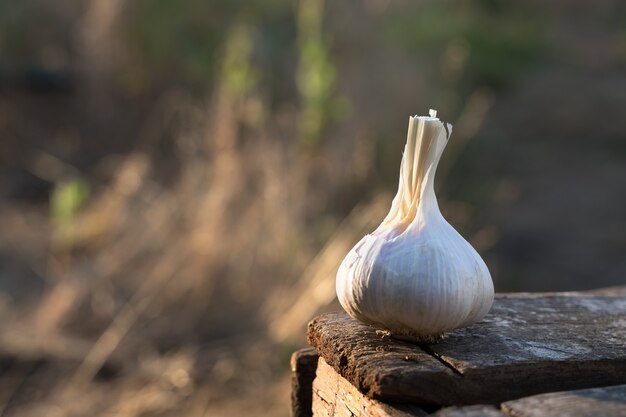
(470, 411)
(379, 367)
(303, 366)
(606, 291)
(528, 344)
(605, 402)
(334, 396)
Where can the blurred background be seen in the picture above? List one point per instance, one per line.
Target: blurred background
(179, 180)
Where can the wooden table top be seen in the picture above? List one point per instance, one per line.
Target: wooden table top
(529, 343)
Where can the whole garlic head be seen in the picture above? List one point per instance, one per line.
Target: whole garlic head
(415, 276)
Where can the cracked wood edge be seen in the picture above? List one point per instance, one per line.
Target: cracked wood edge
(377, 365)
(334, 396)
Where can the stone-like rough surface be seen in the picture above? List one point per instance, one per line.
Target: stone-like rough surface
(528, 344)
(594, 402)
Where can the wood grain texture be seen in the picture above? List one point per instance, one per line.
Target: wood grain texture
(594, 402)
(470, 411)
(379, 367)
(334, 396)
(303, 366)
(528, 344)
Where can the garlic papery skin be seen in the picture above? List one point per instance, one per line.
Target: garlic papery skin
(415, 276)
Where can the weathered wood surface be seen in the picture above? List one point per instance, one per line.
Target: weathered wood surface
(303, 367)
(528, 344)
(471, 411)
(594, 402)
(334, 396)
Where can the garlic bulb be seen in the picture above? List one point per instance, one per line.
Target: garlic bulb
(415, 276)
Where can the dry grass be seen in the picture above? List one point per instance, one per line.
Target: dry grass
(217, 216)
(165, 300)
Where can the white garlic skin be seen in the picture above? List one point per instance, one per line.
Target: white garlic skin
(426, 283)
(420, 279)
